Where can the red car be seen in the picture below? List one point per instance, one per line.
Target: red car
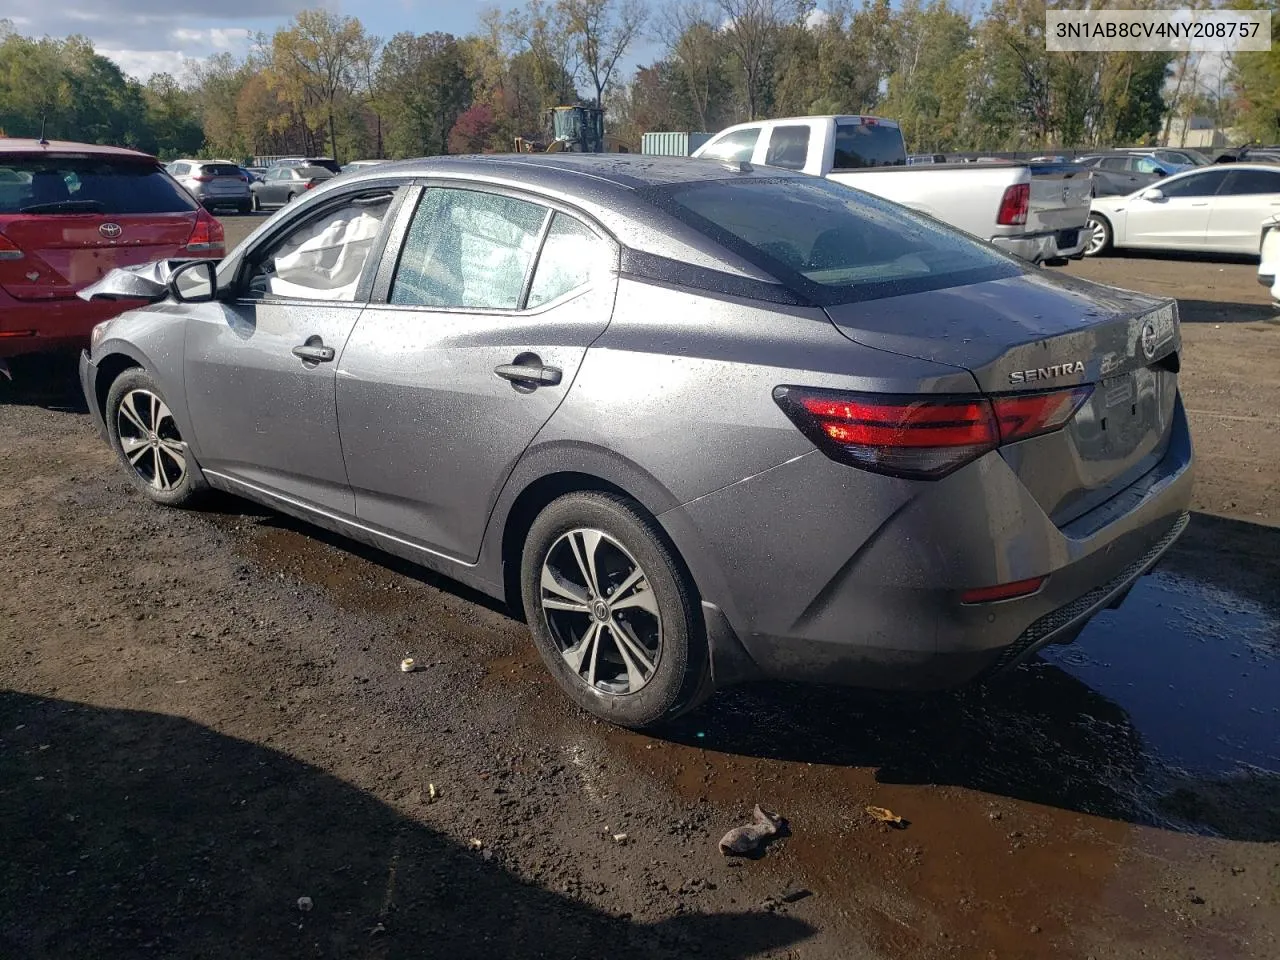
(69, 213)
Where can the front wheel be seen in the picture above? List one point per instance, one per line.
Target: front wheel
(142, 431)
(1099, 236)
(612, 611)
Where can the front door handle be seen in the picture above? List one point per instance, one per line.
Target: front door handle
(314, 351)
(529, 374)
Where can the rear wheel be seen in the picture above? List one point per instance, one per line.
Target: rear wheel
(255, 204)
(145, 436)
(612, 611)
(244, 207)
(1099, 236)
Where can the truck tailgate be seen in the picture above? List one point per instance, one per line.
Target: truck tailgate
(1060, 197)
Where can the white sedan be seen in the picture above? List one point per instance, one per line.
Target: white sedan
(1217, 209)
(1269, 263)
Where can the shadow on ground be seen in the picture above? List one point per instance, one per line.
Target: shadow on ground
(49, 380)
(140, 835)
(1219, 311)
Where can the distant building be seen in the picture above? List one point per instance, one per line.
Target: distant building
(1197, 132)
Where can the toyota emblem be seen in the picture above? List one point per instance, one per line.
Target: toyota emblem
(110, 230)
(1149, 343)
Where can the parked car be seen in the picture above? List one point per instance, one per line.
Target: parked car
(355, 165)
(1213, 209)
(1173, 161)
(327, 162)
(214, 183)
(1038, 216)
(1269, 257)
(71, 212)
(254, 174)
(1119, 174)
(285, 184)
(699, 424)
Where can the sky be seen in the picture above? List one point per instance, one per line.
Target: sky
(154, 36)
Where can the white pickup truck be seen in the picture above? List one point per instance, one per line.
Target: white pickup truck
(1036, 211)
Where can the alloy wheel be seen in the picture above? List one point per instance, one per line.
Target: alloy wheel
(601, 611)
(150, 440)
(1097, 237)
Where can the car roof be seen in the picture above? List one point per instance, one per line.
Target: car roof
(576, 172)
(29, 146)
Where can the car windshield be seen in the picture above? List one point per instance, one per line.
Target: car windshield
(833, 242)
(49, 184)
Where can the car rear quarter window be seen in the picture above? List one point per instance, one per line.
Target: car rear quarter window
(467, 249)
(52, 185)
(861, 145)
(572, 257)
(734, 147)
(832, 243)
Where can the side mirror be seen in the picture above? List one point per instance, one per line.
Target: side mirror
(1153, 194)
(194, 282)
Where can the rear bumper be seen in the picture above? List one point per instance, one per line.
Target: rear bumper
(28, 326)
(827, 574)
(1038, 247)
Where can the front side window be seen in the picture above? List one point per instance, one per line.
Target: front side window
(572, 257)
(1118, 164)
(468, 250)
(788, 147)
(323, 259)
(1195, 185)
(1148, 165)
(834, 243)
(734, 147)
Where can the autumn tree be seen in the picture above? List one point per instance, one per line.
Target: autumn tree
(422, 87)
(601, 32)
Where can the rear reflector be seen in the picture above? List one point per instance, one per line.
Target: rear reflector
(1014, 205)
(8, 249)
(921, 437)
(1003, 591)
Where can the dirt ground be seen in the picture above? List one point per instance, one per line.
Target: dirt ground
(202, 721)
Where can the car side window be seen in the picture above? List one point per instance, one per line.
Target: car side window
(1114, 163)
(325, 256)
(1249, 182)
(179, 170)
(467, 249)
(1147, 165)
(1195, 185)
(788, 147)
(734, 147)
(572, 257)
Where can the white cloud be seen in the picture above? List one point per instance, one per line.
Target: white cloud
(816, 18)
(143, 64)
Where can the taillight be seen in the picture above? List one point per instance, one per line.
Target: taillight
(921, 437)
(311, 184)
(8, 249)
(1014, 205)
(207, 236)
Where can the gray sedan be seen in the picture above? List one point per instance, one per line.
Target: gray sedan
(698, 423)
(284, 184)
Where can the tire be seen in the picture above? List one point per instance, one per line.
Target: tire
(244, 208)
(609, 679)
(1100, 236)
(133, 403)
(255, 204)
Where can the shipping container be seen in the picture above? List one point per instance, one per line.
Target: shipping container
(672, 144)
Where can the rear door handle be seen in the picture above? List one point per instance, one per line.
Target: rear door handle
(314, 351)
(532, 374)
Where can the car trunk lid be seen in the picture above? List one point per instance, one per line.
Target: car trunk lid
(1033, 332)
(1060, 197)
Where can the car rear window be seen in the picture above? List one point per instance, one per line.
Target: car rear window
(220, 170)
(51, 185)
(860, 145)
(833, 243)
(314, 173)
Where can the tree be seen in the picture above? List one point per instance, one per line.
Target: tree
(173, 117)
(688, 30)
(474, 130)
(750, 32)
(315, 62)
(423, 87)
(1256, 79)
(602, 31)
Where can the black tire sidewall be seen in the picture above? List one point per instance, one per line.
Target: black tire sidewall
(193, 484)
(678, 680)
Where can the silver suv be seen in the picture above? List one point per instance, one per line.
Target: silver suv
(214, 183)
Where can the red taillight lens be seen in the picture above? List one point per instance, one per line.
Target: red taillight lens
(1003, 591)
(207, 236)
(1014, 205)
(8, 249)
(921, 437)
(312, 183)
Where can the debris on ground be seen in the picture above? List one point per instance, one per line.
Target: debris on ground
(885, 815)
(619, 838)
(752, 836)
(475, 843)
(432, 793)
(408, 665)
(305, 904)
